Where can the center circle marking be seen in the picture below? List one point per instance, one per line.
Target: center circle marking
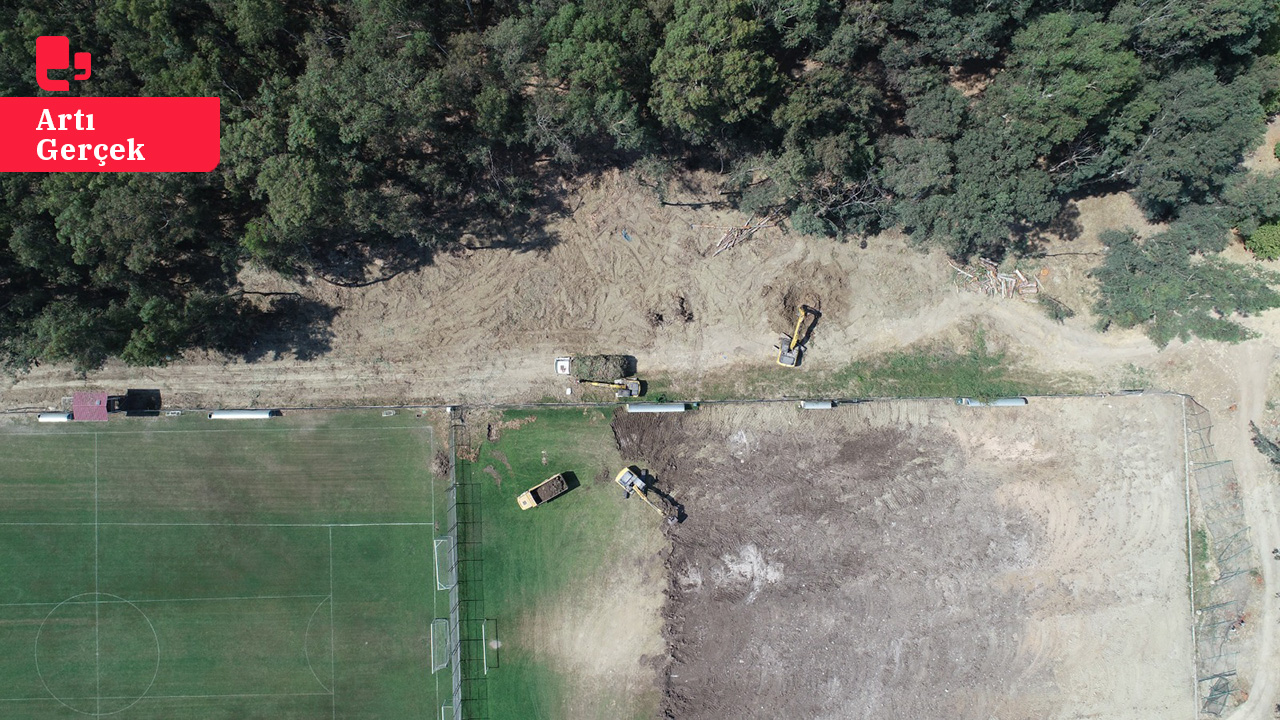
(95, 637)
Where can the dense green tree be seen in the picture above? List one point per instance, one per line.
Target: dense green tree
(1195, 133)
(917, 168)
(937, 112)
(597, 69)
(1175, 28)
(958, 31)
(1251, 199)
(990, 188)
(1065, 71)
(712, 73)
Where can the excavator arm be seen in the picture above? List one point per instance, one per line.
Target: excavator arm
(624, 387)
(795, 334)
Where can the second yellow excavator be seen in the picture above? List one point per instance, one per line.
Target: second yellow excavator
(631, 483)
(790, 349)
(625, 387)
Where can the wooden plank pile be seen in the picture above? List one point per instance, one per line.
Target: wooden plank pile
(985, 277)
(737, 234)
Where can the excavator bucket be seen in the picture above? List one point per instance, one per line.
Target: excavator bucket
(623, 387)
(791, 348)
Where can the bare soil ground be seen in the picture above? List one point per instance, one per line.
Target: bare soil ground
(484, 325)
(913, 559)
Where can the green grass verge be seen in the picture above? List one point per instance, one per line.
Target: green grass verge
(928, 371)
(548, 563)
(179, 568)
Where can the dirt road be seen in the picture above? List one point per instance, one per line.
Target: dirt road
(1257, 477)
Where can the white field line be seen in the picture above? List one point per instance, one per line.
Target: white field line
(159, 524)
(333, 673)
(484, 648)
(213, 430)
(97, 606)
(431, 485)
(171, 697)
(167, 600)
(306, 646)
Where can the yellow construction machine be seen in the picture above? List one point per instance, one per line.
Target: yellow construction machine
(790, 349)
(630, 482)
(626, 387)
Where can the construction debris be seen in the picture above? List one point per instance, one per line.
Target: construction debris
(737, 234)
(985, 277)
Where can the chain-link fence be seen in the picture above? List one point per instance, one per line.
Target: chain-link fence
(1223, 567)
(466, 597)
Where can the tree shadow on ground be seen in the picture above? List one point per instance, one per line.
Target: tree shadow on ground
(360, 261)
(1064, 227)
(289, 325)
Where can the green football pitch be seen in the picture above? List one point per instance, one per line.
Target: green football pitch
(173, 568)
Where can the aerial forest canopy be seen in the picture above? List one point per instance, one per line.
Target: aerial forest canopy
(387, 128)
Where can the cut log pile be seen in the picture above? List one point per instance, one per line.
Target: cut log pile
(735, 235)
(985, 277)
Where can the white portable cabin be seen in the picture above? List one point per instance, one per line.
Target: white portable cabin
(53, 417)
(242, 414)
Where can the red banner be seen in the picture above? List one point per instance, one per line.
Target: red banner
(109, 134)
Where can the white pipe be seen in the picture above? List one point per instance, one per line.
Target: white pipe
(817, 404)
(656, 407)
(241, 414)
(1002, 402)
(53, 417)
(1008, 402)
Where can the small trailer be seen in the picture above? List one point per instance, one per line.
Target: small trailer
(543, 491)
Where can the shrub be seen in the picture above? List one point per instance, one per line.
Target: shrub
(1265, 242)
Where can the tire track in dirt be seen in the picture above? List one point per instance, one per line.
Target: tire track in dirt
(899, 567)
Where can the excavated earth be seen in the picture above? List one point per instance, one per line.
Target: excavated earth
(921, 560)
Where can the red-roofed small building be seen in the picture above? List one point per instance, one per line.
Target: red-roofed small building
(89, 406)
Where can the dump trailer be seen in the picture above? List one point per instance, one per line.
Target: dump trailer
(625, 387)
(791, 348)
(630, 481)
(543, 491)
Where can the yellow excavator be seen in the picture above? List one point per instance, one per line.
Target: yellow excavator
(625, 387)
(790, 349)
(630, 482)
